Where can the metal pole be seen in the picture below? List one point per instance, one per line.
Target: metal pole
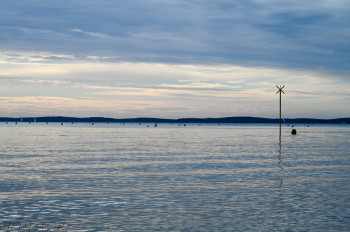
(280, 112)
(280, 91)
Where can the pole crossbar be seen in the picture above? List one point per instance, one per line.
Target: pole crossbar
(280, 89)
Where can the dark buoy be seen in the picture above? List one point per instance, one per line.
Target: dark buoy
(294, 132)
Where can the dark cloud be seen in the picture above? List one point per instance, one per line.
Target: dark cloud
(293, 34)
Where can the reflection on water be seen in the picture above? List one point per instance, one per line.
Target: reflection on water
(207, 178)
(280, 165)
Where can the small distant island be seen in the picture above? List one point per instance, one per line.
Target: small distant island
(180, 120)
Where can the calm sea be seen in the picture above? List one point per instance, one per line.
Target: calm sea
(114, 177)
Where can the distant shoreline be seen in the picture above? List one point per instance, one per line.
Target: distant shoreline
(180, 120)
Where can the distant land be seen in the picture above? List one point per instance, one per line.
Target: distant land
(180, 120)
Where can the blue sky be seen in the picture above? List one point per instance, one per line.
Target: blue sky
(174, 58)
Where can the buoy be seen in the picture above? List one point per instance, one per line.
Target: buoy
(294, 132)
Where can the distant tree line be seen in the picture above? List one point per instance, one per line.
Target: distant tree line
(180, 120)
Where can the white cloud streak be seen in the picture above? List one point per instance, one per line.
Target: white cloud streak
(93, 34)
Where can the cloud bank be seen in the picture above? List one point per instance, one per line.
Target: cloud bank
(174, 58)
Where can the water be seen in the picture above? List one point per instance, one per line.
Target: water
(114, 177)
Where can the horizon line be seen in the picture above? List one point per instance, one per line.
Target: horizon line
(232, 119)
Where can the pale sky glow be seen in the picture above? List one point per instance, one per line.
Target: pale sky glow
(177, 59)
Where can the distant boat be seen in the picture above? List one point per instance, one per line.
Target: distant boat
(155, 125)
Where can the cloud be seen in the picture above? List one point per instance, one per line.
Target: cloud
(288, 34)
(93, 34)
(131, 89)
(157, 57)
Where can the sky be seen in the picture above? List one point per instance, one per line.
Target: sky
(174, 59)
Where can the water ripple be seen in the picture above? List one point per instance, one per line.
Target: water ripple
(211, 178)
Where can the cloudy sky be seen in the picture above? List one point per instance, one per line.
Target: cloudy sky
(175, 58)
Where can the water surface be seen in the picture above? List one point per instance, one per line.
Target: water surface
(174, 178)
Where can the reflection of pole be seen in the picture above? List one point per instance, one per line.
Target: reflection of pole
(280, 91)
(280, 165)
